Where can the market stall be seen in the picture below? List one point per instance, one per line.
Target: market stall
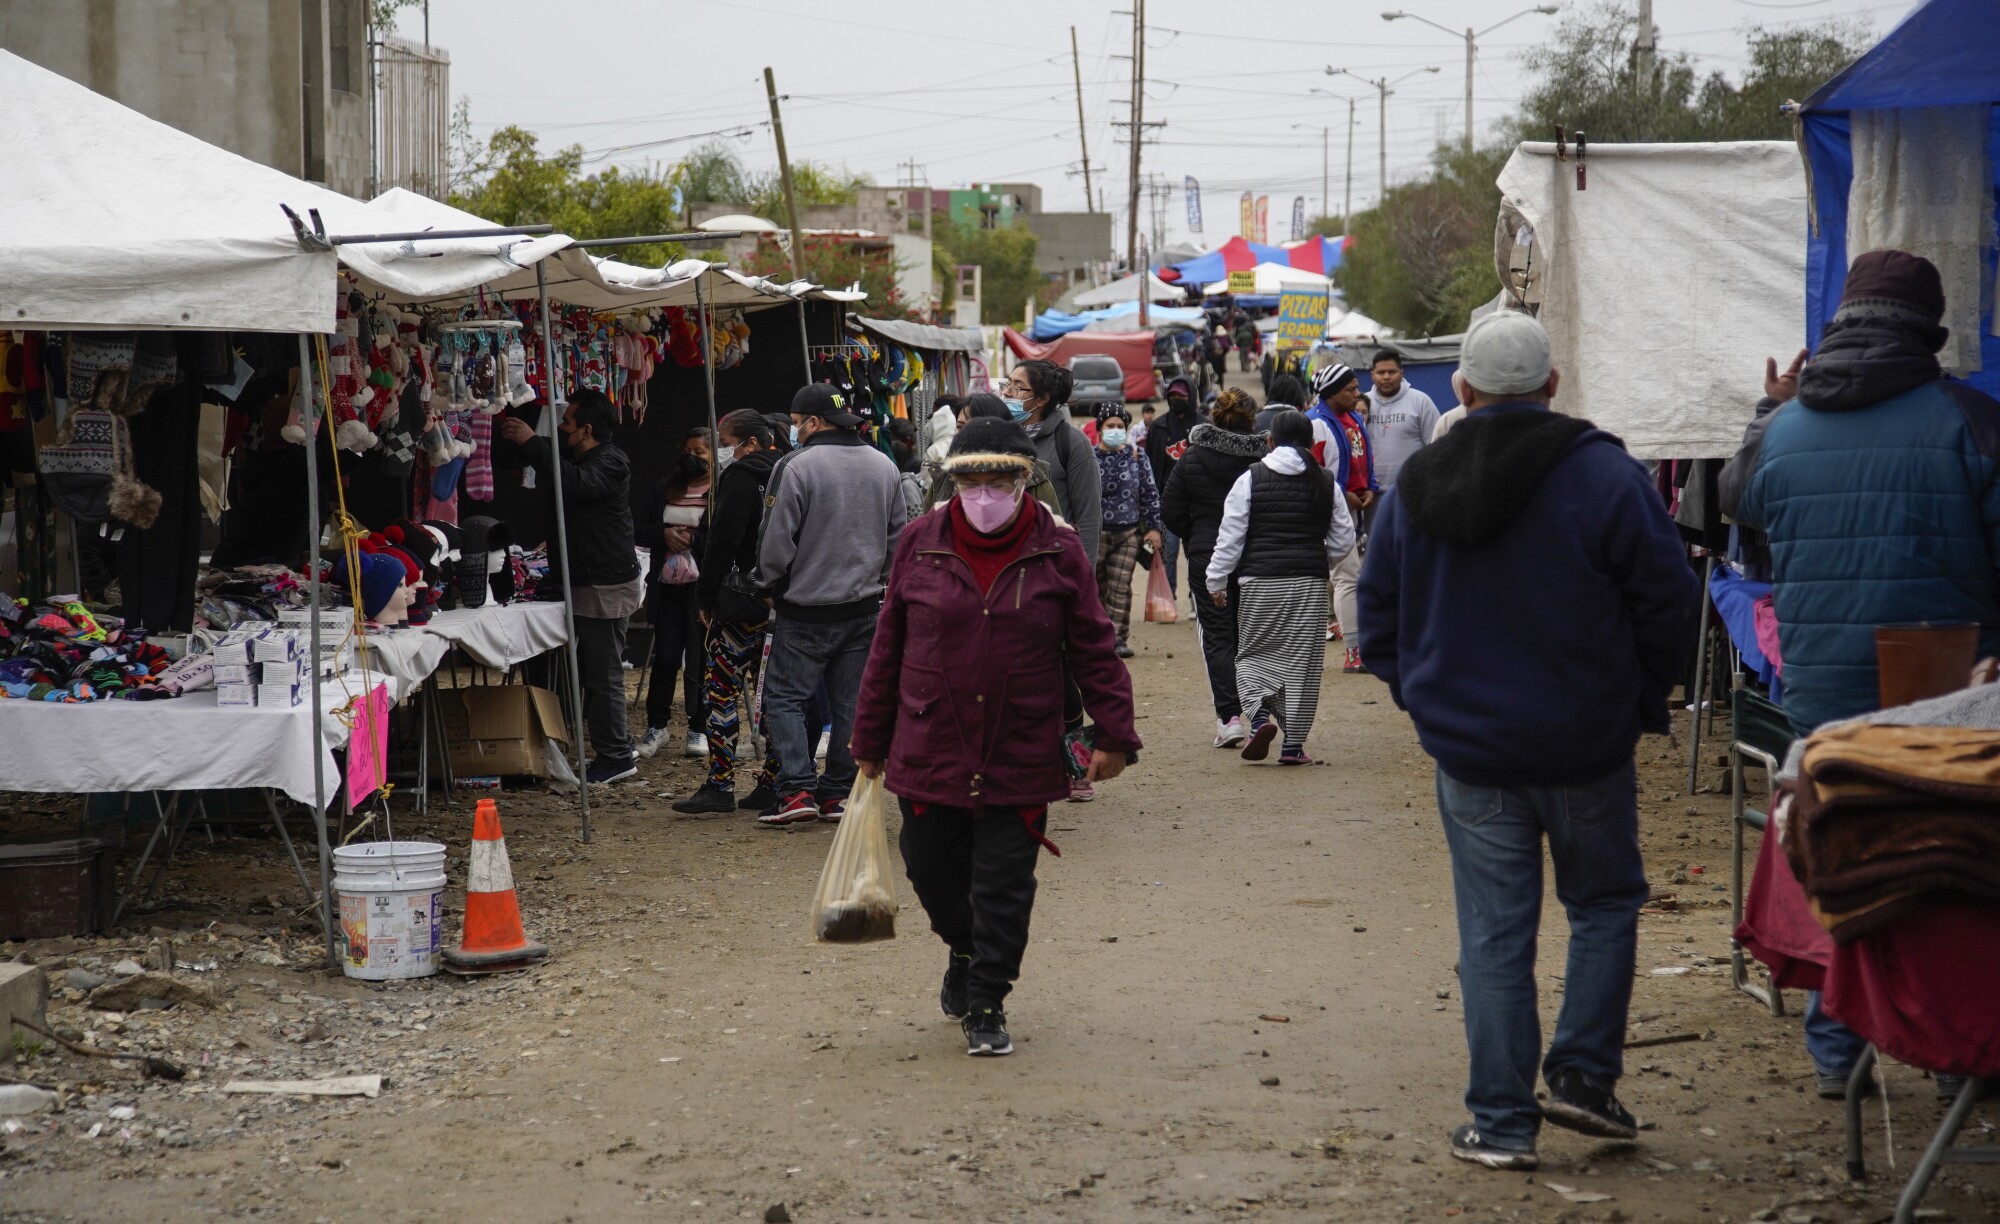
(1610, 264)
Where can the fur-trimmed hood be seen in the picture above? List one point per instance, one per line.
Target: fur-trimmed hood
(1228, 442)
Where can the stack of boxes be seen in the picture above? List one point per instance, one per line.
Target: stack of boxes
(267, 665)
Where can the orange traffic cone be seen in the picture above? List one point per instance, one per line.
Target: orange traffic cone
(493, 941)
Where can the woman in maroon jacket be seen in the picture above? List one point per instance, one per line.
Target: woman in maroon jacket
(962, 700)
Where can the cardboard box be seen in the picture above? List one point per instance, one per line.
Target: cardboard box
(502, 730)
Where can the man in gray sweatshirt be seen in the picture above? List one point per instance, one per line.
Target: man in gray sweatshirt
(832, 511)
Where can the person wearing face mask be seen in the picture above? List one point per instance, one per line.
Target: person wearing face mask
(606, 587)
(734, 619)
(1342, 445)
(833, 511)
(993, 408)
(1037, 397)
(1283, 521)
(961, 711)
(1131, 517)
(670, 528)
(1166, 441)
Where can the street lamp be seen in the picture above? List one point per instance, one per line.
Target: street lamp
(1382, 87)
(1470, 36)
(1347, 196)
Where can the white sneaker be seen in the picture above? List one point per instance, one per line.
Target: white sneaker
(1230, 734)
(825, 738)
(697, 744)
(650, 742)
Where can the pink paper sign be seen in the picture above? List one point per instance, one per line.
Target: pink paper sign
(368, 748)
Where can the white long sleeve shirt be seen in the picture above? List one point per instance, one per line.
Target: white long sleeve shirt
(1236, 520)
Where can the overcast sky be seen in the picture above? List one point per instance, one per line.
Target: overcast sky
(983, 92)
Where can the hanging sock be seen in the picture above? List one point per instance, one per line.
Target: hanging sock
(479, 467)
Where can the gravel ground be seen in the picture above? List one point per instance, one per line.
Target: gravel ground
(1240, 999)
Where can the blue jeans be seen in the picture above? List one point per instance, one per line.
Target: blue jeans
(803, 653)
(1495, 837)
(1170, 548)
(1834, 1047)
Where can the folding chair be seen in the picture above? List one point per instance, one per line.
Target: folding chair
(1762, 734)
(1942, 1149)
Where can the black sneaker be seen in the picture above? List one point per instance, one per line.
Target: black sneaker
(1468, 1144)
(986, 1034)
(953, 1000)
(1584, 1103)
(1832, 1085)
(763, 799)
(602, 772)
(705, 800)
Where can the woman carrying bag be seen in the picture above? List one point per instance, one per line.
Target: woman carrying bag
(735, 616)
(962, 704)
(1282, 521)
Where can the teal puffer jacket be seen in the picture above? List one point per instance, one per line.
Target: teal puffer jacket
(1878, 513)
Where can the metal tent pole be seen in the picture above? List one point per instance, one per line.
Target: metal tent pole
(708, 367)
(562, 533)
(312, 605)
(805, 341)
(1700, 693)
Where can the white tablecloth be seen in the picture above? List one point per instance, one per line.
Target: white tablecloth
(185, 743)
(410, 654)
(501, 635)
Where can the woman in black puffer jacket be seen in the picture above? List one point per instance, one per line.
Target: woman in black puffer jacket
(1191, 507)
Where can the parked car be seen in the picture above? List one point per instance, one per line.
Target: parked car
(1099, 380)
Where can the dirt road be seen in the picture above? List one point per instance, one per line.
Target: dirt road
(1239, 999)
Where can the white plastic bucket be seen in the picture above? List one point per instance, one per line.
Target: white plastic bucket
(391, 900)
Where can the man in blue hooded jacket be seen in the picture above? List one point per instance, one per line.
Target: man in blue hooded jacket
(1874, 477)
(1532, 716)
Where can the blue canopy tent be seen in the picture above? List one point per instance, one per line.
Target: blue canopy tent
(1049, 325)
(1938, 56)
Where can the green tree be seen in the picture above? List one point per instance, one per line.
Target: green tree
(1422, 259)
(813, 183)
(712, 172)
(1006, 258)
(838, 262)
(1587, 80)
(510, 182)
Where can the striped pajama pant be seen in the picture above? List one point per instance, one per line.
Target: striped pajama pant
(733, 654)
(1281, 650)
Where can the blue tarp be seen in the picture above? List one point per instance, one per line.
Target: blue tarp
(1945, 53)
(1059, 323)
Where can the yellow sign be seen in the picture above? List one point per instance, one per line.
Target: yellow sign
(1301, 319)
(1243, 282)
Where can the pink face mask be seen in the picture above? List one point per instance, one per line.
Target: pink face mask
(988, 508)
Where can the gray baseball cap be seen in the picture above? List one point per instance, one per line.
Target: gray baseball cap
(1506, 353)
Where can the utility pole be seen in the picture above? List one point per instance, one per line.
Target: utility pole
(1642, 48)
(1381, 87)
(1082, 137)
(1347, 196)
(1469, 49)
(785, 177)
(1138, 131)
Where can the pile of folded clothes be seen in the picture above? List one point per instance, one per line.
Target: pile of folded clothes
(61, 652)
(1885, 817)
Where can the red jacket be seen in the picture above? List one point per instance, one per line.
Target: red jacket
(963, 693)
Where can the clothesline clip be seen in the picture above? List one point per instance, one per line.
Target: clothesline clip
(1580, 183)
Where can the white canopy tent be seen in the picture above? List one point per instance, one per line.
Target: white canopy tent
(115, 220)
(1126, 289)
(1275, 278)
